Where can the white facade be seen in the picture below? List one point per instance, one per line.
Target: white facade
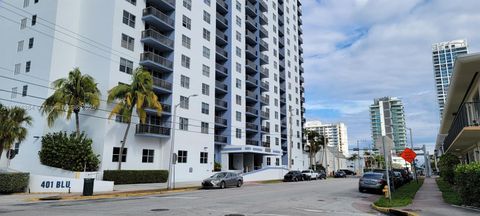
(387, 116)
(335, 133)
(219, 50)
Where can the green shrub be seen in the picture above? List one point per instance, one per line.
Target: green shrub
(467, 183)
(69, 152)
(135, 176)
(447, 165)
(448, 192)
(13, 182)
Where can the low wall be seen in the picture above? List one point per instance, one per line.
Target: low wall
(267, 173)
(53, 184)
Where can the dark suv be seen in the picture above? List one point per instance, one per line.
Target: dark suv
(293, 176)
(321, 174)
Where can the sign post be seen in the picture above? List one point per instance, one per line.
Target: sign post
(409, 156)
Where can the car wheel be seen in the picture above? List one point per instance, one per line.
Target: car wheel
(222, 185)
(239, 183)
(360, 190)
(294, 179)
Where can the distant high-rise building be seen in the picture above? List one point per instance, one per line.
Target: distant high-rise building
(443, 56)
(335, 133)
(388, 118)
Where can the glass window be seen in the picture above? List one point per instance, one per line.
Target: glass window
(30, 43)
(182, 156)
(184, 102)
(203, 157)
(186, 22)
(147, 155)
(187, 4)
(206, 17)
(183, 124)
(126, 66)
(206, 52)
(185, 81)
(127, 42)
(116, 154)
(205, 89)
(205, 108)
(238, 133)
(25, 90)
(204, 127)
(238, 116)
(206, 70)
(206, 34)
(186, 41)
(185, 61)
(129, 19)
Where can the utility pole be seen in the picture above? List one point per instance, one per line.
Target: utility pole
(386, 168)
(290, 141)
(414, 168)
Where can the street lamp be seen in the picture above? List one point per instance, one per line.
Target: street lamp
(171, 170)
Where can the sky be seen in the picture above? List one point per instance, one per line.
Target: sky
(358, 50)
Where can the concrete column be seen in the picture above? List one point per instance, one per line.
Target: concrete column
(225, 161)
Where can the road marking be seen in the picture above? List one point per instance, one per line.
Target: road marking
(180, 197)
(330, 211)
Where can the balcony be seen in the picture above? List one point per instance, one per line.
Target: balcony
(300, 22)
(157, 40)
(263, 32)
(263, 46)
(282, 65)
(300, 10)
(264, 73)
(251, 52)
(250, 9)
(152, 130)
(265, 100)
(251, 126)
(264, 86)
(464, 131)
(251, 96)
(266, 144)
(280, 21)
(168, 5)
(251, 111)
(162, 85)
(222, 7)
(220, 121)
(251, 38)
(250, 24)
(265, 129)
(301, 70)
(158, 18)
(220, 139)
(265, 115)
(221, 70)
(251, 66)
(263, 19)
(221, 38)
(263, 6)
(166, 109)
(281, 43)
(263, 59)
(222, 54)
(251, 81)
(222, 22)
(221, 103)
(221, 86)
(300, 40)
(300, 31)
(251, 142)
(280, 9)
(156, 61)
(284, 136)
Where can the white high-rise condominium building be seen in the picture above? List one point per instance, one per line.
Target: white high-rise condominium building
(243, 58)
(443, 57)
(335, 133)
(388, 119)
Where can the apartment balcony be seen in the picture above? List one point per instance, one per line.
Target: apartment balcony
(280, 21)
(168, 5)
(281, 31)
(281, 53)
(284, 136)
(464, 131)
(222, 7)
(222, 140)
(219, 121)
(263, 19)
(281, 43)
(263, 59)
(221, 70)
(222, 22)
(264, 73)
(265, 129)
(301, 70)
(265, 115)
(299, 10)
(300, 40)
(283, 99)
(250, 23)
(303, 109)
(300, 31)
(251, 111)
(221, 53)
(250, 9)
(162, 85)
(251, 53)
(221, 104)
(282, 65)
(158, 62)
(264, 86)
(152, 130)
(221, 86)
(263, 6)
(157, 40)
(250, 38)
(284, 123)
(251, 126)
(251, 81)
(302, 89)
(263, 32)
(251, 142)
(263, 46)
(300, 49)
(251, 96)
(265, 100)
(300, 22)
(221, 38)
(158, 18)
(250, 66)
(280, 9)
(166, 109)
(300, 59)
(266, 144)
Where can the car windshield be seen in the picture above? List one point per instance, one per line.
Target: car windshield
(292, 172)
(372, 176)
(219, 175)
(305, 171)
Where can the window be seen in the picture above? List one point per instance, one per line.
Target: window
(187, 4)
(293, 161)
(206, 52)
(23, 23)
(14, 92)
(126, 66)
(238, 6)
(203, 157)
(185, 61)
(185, 81)
(238, 36)
(182, 156)
(207, 2)
(186, 22)
(25, 90)
(186, 41)
(238, 52)
(17, 68)
(184, 102)
(34, 20)
(27, 66)
(147, 155)
(239, 21)
(238, 116)
(206, 70)
(206, 17)
(26, 3)
(127, 42)
(183, 124)
(238, 67)
(238, 99)
(268, 161)
(205, 108)
(134, 2)
(277, 162)
(206, 34)
(129, 19)
(205, 89)
(30, 43)
(238, 83)
(277, 141)
(204, 128)
(116, 154)
(20, 46)
(238, 133)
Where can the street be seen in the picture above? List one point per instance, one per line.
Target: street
(320, 197)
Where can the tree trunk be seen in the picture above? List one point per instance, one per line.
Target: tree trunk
(120, 155)
(76, 110)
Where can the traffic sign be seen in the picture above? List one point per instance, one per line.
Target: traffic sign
(408, 154)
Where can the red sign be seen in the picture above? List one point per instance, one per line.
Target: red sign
(408, 154)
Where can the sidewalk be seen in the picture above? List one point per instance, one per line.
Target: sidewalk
(429, 201)
(152, 186)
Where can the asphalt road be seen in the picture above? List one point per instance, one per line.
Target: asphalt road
(321, 197)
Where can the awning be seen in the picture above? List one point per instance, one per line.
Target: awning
(251, 149)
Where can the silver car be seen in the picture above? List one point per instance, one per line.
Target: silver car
(372, 181)
(223, 180)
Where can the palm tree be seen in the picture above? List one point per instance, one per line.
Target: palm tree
(12, 126)
(313, 147)
(138, 95)
(354, 157)
(71, 94)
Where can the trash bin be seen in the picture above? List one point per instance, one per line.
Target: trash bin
(88, 186)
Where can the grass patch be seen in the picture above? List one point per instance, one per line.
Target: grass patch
(403, 196)
(271, 181)
(448, 192)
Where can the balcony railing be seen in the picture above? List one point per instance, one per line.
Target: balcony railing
(221, 85)
(264, 85)
(265, 100)
(251, 126)
(221, 103)
(220, 139)
(155, 12)
(467, 116)
(150, 33)
(251, 94)
(252, 80)
(265, 115)
(222, 51)
(222, 19)
(162, 83)
(221, 68)
(252, 110)
(266, 144)
(251, 142)
(220, 120)
(266, 129)
(222, 35)
(148, 56)
(264, 72)
(152, 129)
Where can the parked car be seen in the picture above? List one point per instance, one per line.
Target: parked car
(349, 172)
(294, 175)
(310, 174)
(223, 180)
(397, 179)
(372, 181)
(321, 174)
(405, 174)
(340, 174)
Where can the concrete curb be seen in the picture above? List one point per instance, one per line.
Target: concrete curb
(393, 211)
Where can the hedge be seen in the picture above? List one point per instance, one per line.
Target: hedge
(447, 165)
(13, 182)
(135, 176)
(467, 182)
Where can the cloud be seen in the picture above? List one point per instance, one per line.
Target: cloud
(356, 51)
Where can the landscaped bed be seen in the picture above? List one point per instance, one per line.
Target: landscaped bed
(448, 193)
(403, 196)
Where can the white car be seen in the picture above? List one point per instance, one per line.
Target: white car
(310, 174)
